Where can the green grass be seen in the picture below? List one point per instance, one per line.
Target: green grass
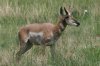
(78, 46)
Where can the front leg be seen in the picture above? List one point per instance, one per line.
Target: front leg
(52, 50)
(43, 57)
(43, 47)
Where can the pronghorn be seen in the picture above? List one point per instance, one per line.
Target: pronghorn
(45, 34)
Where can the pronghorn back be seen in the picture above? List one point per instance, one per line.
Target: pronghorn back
(37, 32)
(37, 27)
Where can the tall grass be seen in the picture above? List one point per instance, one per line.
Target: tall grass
(78, 46)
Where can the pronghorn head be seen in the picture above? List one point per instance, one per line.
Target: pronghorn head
(68, 18)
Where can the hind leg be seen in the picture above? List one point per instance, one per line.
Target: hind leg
(25, 47)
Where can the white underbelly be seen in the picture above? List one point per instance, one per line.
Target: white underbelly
(38, 38)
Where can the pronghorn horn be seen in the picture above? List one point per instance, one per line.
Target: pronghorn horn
(61, 11)
(66, 11)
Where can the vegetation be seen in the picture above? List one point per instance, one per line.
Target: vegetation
(78, 46)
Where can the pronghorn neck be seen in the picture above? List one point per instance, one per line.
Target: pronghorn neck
(60, 27)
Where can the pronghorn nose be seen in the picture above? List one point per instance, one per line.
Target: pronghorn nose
(78, 24)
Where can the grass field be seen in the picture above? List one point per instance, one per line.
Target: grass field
(78, 46)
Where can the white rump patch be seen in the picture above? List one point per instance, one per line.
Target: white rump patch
(26, 40)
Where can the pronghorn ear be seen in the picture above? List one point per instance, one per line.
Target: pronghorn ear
(66, 11)
(61, 11)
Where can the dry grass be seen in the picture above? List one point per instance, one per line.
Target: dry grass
(78, 46)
